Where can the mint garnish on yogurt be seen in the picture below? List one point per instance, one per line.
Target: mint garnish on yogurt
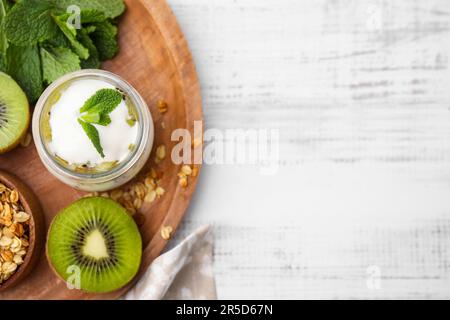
(96, 110)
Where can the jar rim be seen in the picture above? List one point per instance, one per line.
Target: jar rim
(145, 133)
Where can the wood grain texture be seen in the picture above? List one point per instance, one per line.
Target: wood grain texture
(155, 59)
(359, 92)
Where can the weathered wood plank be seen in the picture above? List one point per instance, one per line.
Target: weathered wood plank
(359, 91)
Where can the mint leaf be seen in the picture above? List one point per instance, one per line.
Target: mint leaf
(3, 65)
(58, 41)
(30, 21)
(105, 120)
(56, 62)
(93, 135)
(97, 118)
(105, 39)
(24, 65)
(4, 8)
(6, 5)
(3, 39)
(110, 8)
(91, 117)
(93, 62)
(103, 101)
(71, 33)
(89, 29)
(91, 16)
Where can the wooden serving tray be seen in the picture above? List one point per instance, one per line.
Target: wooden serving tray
(155, 59)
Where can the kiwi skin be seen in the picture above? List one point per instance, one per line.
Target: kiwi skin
(19, 138)
(53, 268)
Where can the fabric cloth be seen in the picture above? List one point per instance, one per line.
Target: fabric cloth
(183, 273)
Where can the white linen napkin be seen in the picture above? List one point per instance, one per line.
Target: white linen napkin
(183, 273)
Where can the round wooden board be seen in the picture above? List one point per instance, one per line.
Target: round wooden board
(155, 59)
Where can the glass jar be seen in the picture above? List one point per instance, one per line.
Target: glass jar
(116, 176)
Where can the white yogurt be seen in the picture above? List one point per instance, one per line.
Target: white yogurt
(70, 142)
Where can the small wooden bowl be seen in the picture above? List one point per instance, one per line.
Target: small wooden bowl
(31, 206)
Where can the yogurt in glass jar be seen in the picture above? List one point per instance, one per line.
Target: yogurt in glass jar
(89, 150)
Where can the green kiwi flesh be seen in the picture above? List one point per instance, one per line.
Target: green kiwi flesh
(14, 113)
(95, 245)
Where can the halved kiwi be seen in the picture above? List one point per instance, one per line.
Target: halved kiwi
(14, 113)
(94, 244)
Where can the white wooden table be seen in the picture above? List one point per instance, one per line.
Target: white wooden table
(360, 91)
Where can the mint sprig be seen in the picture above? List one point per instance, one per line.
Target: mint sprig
(96, 110)
(46, 27)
